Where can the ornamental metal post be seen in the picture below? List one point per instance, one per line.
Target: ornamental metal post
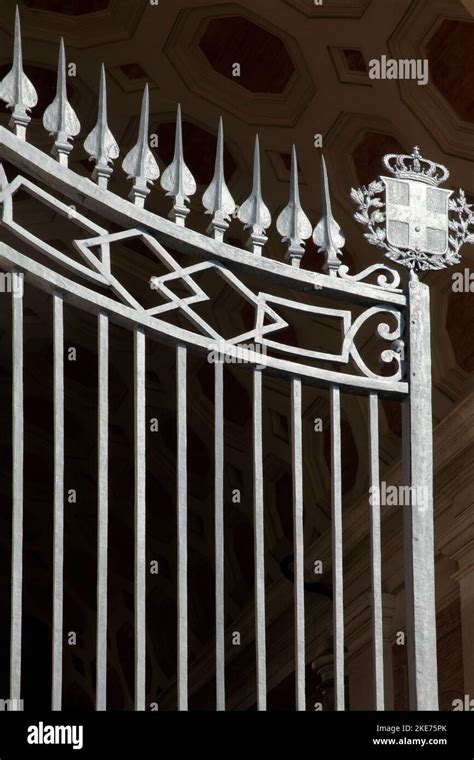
(413, 225)
(418, 517)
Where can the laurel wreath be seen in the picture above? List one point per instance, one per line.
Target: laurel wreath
(371, 215)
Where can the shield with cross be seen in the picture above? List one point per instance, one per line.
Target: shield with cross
(419, 225)
(416, 215)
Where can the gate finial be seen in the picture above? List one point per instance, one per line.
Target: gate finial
(100, 143)
(177, 179)
(292, 223)
(139, 164)
(327, 233)
(60, 118)
(16, 89)
(253, 212)
(217, 199)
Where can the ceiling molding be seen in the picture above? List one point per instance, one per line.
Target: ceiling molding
(117, 22)
(330, 8)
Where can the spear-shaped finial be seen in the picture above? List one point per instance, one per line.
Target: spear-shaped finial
(100, 143)
(139, 164)
(217, 199)
(327, 233)
(177, 179)
(253, 212)
(16, 89)
(60, 118)
(292, 223)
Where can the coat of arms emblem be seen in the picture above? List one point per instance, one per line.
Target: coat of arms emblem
(420, 225)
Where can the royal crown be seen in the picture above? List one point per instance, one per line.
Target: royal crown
(416, 167)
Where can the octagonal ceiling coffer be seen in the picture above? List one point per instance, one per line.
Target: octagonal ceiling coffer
(264, 62)
(450, 52)
(272, 83)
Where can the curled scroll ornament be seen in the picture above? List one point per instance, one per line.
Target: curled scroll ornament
(384, 331)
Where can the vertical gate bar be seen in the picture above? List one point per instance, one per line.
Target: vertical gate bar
(259, 543)
(337, 571)
(376, 554)
(219, 530)
(17, 486)
(418, 518)
(181, 356)
(140, 521)
(298, 538)
(102, 506)
(58, 547)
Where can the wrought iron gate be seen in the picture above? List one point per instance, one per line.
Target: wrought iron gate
(90, 285)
